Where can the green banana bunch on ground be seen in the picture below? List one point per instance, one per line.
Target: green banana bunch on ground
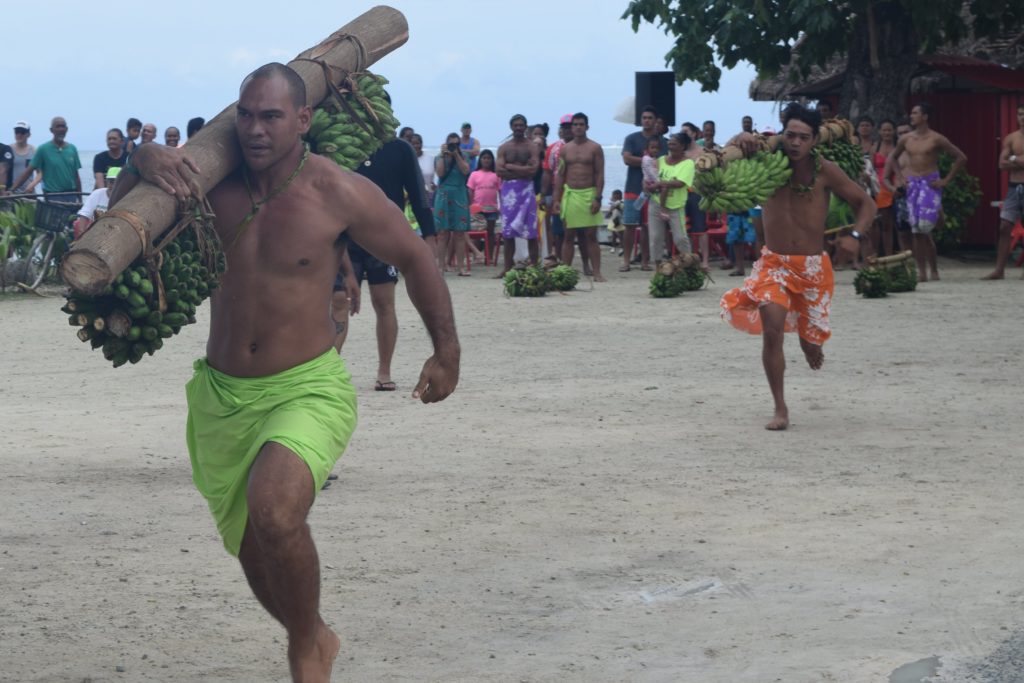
(126, 320)
(563, 278)
(350, 130)
(903, 277)
(665, 286)
(672, 282)
(532, 281)
(872, 283)
(846, 155)
(742, 184)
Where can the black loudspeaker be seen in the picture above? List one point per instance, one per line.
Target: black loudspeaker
(657, 89)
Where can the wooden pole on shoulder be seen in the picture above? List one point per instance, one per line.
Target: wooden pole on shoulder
(111, 244)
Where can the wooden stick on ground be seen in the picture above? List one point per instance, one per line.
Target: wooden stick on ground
(112, 243)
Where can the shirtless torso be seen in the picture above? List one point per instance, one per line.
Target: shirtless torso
(1013, 148)
(582, 163)
(518, 159)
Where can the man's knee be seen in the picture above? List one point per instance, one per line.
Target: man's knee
(382, 297)
(279, 493)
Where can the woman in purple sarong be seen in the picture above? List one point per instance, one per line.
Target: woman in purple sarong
(451, 202)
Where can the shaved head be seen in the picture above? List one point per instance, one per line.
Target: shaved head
(296, 86)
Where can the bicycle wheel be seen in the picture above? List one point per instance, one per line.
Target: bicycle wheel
(39, 260)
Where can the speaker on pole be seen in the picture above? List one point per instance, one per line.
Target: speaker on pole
(657, 89)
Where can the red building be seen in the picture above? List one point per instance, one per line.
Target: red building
(974, 104)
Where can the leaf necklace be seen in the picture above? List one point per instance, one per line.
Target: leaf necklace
(257, 205)
(800, 188)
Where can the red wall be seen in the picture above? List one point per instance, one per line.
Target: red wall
(977, 124)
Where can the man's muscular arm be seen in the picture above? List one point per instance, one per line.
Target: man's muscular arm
(1004, 156)
(852, 193)
(377, 225)
(892, 167)
(959, 160)
(595, 205)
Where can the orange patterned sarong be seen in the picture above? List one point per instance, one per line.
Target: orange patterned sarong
(801, 284)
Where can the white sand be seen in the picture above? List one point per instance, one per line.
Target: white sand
(597, 502)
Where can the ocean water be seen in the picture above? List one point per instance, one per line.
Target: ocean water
(614, 169)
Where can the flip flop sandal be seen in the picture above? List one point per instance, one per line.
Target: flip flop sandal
(384, 386)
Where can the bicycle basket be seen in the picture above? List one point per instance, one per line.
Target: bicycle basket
(54, 216)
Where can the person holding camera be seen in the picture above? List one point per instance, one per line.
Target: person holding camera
(451, 202)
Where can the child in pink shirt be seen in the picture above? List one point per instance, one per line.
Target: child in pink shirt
(483, 185)
(649, 166)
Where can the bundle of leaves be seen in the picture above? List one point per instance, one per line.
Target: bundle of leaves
(872, 283)
(959, 201)
(532, 281)
(563, 278)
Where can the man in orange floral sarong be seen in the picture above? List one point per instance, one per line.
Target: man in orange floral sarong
(790, 287)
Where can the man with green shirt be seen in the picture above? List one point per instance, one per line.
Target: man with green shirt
(58, 161)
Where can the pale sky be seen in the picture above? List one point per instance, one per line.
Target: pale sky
(475, 60)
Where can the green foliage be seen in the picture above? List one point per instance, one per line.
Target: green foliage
(764, 32)
(959, 201)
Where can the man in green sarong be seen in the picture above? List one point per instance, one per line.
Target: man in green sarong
(579, 182)
(271, 407)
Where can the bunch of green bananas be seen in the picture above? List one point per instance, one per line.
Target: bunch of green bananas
(872, 283)
(742, 184)
(691, 278)
(128, 321)
(350, 140)
(532, 281)
(563, 278)
(846, 155)
(665, 286)
(903, 277)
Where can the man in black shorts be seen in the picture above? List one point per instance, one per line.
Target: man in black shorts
(395, 170)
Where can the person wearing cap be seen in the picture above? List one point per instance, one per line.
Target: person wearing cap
(96, 203)
(469, 145)
(553, 222)
(22, 154)
(58, 160)
(114, 157)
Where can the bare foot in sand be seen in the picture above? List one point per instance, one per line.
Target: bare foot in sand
(815, 356)
(994, 275)
(935, 275)
(315, 666)
(780, 421)
(599, 278)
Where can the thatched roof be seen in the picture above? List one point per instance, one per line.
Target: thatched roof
(1006, 50)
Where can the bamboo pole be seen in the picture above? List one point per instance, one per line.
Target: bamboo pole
(112, 243)
(890, 260)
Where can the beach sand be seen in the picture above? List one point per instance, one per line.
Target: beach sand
(597, 502)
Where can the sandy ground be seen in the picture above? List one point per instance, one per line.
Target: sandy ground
(597, 502)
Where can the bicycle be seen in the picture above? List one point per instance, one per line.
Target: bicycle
(53, 220)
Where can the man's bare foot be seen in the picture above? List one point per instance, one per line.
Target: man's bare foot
(994, 275)
(780, 421)
(922, 278)
(599, 278)
(935, 275)
(500, 275)
(815, 356)
(315, 666)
